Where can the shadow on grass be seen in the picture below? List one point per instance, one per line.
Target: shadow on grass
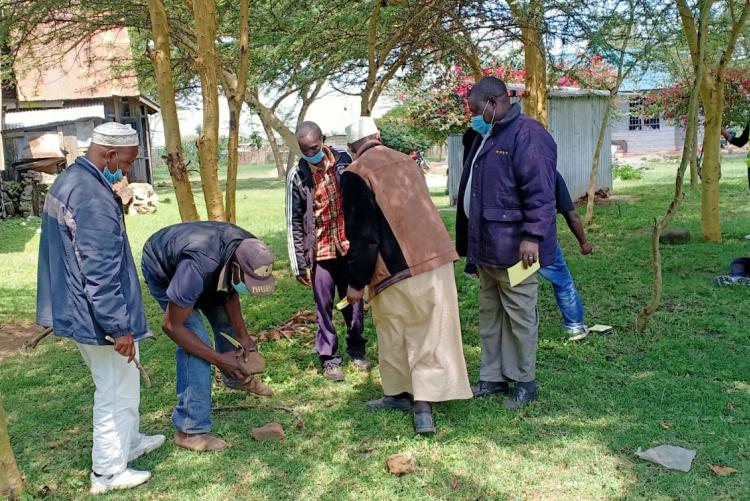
(16, 232)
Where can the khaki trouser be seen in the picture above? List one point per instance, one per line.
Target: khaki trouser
(508, 326)
(419, 338)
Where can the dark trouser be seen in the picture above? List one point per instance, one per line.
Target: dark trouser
(740, 267)
(328, 276)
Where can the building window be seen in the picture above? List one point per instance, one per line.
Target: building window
(636, 118)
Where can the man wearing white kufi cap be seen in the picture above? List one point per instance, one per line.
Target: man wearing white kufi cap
(400, 249)
(88, 290)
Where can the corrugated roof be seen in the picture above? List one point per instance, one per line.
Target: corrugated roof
(563, 91)
(35, 118)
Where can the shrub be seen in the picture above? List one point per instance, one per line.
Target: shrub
(626, 172)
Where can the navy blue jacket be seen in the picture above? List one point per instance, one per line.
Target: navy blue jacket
(513, 193)
(204, 249)
(87, 283)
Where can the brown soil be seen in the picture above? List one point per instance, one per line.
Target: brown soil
(13, 335)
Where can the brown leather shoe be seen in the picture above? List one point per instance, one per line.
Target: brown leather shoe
(252, 384)
(202, 442)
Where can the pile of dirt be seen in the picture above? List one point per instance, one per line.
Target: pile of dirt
(14, 335)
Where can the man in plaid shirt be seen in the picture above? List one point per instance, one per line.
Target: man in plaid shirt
(317, 245)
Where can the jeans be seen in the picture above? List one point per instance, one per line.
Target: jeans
(192, 414)
(566, 294)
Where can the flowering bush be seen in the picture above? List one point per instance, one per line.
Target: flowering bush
(438, 107)
(672, 102)
(592, 73)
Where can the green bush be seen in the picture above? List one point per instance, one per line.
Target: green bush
(401, 136)
(626, 172)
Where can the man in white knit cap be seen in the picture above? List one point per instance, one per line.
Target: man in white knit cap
(88, 290)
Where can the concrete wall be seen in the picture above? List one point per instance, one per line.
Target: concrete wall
(648, 140)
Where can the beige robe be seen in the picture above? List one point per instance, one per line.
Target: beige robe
(419, 337)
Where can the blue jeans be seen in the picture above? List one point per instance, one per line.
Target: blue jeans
(194, 375)
(566, 294)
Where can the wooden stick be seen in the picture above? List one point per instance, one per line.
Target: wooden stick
(298, 421)
(30, 344)
(141, 369)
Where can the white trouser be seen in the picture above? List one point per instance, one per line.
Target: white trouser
(116, 400)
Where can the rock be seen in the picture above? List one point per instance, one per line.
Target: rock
(674, 236)
(401, 464)
(145, 199)
(271, 431)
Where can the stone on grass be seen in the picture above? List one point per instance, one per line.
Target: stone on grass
(401, 464)
(674, 236)
(271, 431)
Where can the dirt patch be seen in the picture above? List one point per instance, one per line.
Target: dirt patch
(13, 335)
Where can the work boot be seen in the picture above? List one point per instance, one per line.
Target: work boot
(483, 388)
(201, 442)
(522, 395)
(252, 384)
(147, 444)
(400, 402)
(731, 280)
(126, 479)
(423, 421)
(361, 364)
(332, 371)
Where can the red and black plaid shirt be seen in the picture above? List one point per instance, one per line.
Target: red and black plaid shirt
(329, 217)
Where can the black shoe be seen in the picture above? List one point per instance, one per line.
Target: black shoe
(424, 423)
(522, 395)
(483, 388)
(401, 402)
(361, 364)
(333, 372)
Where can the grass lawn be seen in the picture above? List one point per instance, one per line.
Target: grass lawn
(686, 381)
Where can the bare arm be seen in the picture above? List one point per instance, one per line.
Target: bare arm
(574, 223)
(174, 326)
(234, 312)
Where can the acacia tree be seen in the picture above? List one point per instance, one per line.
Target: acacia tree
(529, 17)
(688, 152)
(162, 65)
(10, 477)
(725, 27)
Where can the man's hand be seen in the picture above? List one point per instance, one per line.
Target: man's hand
(305, 279)
(354, 296)
(229, 363)
(586, 248)
(125, 346)
(529, 252)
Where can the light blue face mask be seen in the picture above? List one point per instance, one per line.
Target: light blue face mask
(240, 286)
(113, 177)
(315, 159)
(479, 124)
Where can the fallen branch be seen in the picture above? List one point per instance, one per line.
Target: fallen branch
(31, 344)
(298, 423)
(222, 408)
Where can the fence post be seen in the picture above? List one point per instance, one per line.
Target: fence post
(455, 165)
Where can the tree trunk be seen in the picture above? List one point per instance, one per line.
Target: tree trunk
(162, 62)
(208, 142)
(688, 152)
(232, 159)
(713, 106)
(235, 99)
(10, 477)
(694, 179)
(591, 192)
(534, 60)
(275, 150)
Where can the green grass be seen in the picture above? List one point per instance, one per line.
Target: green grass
(600, 399)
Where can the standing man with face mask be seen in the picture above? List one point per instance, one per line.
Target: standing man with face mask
(204, 266)
(318, 245)
(88, 290)
(401, 251)
(506, 213)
